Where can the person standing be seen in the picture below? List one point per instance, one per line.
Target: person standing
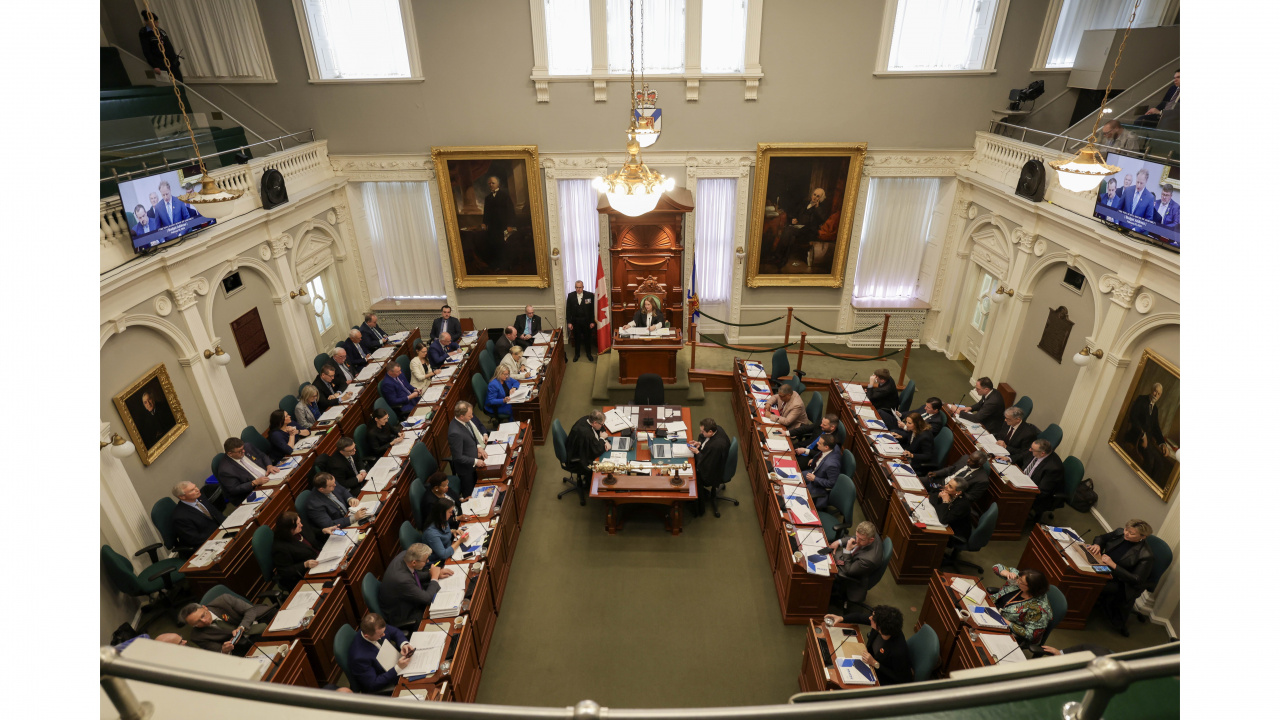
(152, 40)
(498, 223)
(580, 310)
(466, 442)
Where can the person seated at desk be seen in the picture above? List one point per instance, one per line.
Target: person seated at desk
(709, 456)
(366, 675)
(371, 336)
(513, 363)
(526, 325)
(826, 468)
(330, 505)
(787, 407)
(987, 412)
(856, 558)
(345, 375)
(307, 409)
(1044, 467)
(226, 624)
(342, 465)
(420, 369)
(437, 489)
(408, 586)
(1126, 552)
(497, 401)
(326, 385)
(504, 343)
(1018, 436)
(953, 507)
(281, 436)
(438, 535)
(398, 393)
(931, 411)
(971, 469)
(242, 470)
(193, 521)
(887, 651)
(882, 391)
(829, 425)
(446, 323)
(466, 445)
(1023, 601)
(383, 434)
(916, 440)
(648, 316)
(439, 349)
(295, 549)
(357, 356)
(586, 441)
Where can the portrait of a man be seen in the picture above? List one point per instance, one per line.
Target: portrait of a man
(151, 413)
(1147, 431)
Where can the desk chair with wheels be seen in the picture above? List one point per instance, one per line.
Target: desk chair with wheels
(649, 390)
(730, 468)
(160, 579)
(906, 396)
(480, 387)
(780, 366)
(941, 446)
(578, 481)
(925, 652)
(978, 539)
(848, 463)
(1072, 475)
(842, 497)
(487, 367)
(813, 410)
(369, 587)
(1025, 404)
(382, 404)
(492, 348)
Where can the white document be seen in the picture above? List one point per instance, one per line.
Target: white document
(352, 392)
(402, 448)
(382, 353)
(241, 515)
(888, 449)
(1003, 647)
(777, 444)
(505, 434)
(535, 352)
(909, 483)
(521, 393)
(866, 412)
(617, 457)
(850, 675)
(496, 458)
(306, 443)
(432, 394)
(855, 393)
(370, 506)
(924, 511)
(615, 421)
(989, 444)
(428, 649)
(542, 338)
(1016, 477)
(445, 374)
(369, 372)
(447, 603)
(755, 370)
(209, 552)
(399, 337)
(289, 618)
(796, 504)
(383, 471)
(456, 581)
(478, 506)
(331, 553)
(331, 414)
(681, 450)
(388, 656)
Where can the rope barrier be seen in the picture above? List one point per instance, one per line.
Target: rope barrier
(837, 357)
(742, 349)
(726, 322)
(832, 332)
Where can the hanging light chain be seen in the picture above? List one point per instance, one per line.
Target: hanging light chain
(1119, 54)
(151, 19)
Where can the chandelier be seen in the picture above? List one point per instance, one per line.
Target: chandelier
(1083, 172)
(634, 189)
(210, 200)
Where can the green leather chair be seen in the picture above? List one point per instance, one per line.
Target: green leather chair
(906, 396)
(417, 491)
(1072, 476)
(491, 348)
(1053, 434)
(925, 652)
(841, 434)
(780, 367)
(795, 383)
(300, 504)
(160, 578)
(342, 650)
(408, 535)
(369, 589)
(381, 404)
(576, 481)
(403, 362)
(480, 387)
(1024, 403)
(361, 437)
(848, 463)
(842, 497)
(289, 403)
(978, 539)
(162, 518)
(218, 591)
(942, 445)
(487, 367)
(1058, 605)
(813, 409)
(455, 484)
(264, 540)
(213, 464)
(251, 435)
(320, 361)
(886, 554)
(730, 469)
(423, 462)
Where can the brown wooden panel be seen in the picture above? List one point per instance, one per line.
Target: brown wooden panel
(251, 338)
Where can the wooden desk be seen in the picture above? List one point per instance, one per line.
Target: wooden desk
(357, 411)
(1015, 502)
(815, 674)
(539, 411)
(1081, 587)
(463, 670)
(672, 499)
(363, 558)
(939, 612)
(293, 669)
(637, 356)
(436, 686)
(332, 611)
(970, 652)
(424, 691)
(917, 551)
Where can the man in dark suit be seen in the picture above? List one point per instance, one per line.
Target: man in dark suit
(503, 344)
(439, 349)
(226, 624)
(193, 520)
(398, 393)
(1016, 437)
(804, 226)
(829, 425)
(1111, 197)
(971, 469)
(145, 223)
(157, 46)
(366, 675)
(371, 336)
(408, 586)
(826, 468)
(1154, 116)
(498, 222)
(155, 420)
(1167, 212)
(1144, 432)
(856, 558)
(171, 210)
(1138, 200)
(330, 505)
(1044, 467)
(953, 507)
(527, 325)
(357, 356)
(343, 466)
(326, 384)
(930, 411)
(243, 469)
(446, 323)
(344, 375)
(710, 452)
(987, 412)
(580, 311)
(466, 445)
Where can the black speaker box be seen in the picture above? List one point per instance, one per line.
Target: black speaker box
(274, 192)
(1031, 181)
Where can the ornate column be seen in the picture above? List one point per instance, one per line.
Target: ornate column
(357, 292)
(301, 343)
(125, 521)
(551, 191)
(1012, 314)
(217, 394)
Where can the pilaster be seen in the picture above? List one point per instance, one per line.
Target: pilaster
(217, 394)
(126, 522)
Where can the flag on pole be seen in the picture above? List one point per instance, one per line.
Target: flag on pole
(604, 335)
(694, 314)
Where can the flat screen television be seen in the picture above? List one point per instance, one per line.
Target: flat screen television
(1143, 198)
(155, 213)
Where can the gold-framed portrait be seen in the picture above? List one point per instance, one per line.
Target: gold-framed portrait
(802, 212)
(492, 202)
(152, 413)
(1148, 430)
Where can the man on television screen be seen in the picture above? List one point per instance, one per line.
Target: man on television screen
(171, 210)
(145, 223)
(1138, 200)
(151, 211)
(1167, 212)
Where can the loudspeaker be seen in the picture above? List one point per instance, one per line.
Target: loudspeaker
(273, 190)
(1031, 181)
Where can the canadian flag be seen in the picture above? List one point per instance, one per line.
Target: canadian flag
(604, 335)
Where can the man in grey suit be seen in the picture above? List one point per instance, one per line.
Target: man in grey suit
(856, 557)
(408, 586)
(466, 444)
(226, 624)
(971, 468)
(242, 470)
(330, 505)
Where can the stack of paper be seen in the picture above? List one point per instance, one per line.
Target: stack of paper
(866, 412)
(755, 370)
(382, 353)
(480, 504)
(447, 604)
(335, 548)
(456, 357)
(331, 414)
(875, 424)
(800, 508)
(428, 649)
(369, 372)
(909, 483)
(242, 514)
(209, 552)
(505, 434)
(285, 466)
(1002, 647)
(352, 392)
(991, 446)
(887, 448)
(681, 450)
(536, 352)
(476, 533)
(290, 618)
(444, 374)
(432, 394)
(382, 472)
(370, 506)
(399, 337)
(973, 428)
(777, 444)
(404, 447)
(521, 393)
(812, 540)
(616, 421)
(923, 512)
(305, 444)
(758, 386)
(542, 338)
(495, 456)
(855, 393)
(1017, 478)
(855, 672)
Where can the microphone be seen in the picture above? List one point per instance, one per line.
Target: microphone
(414, 694)
(956, 600)
(1002, 657)
(835, 653)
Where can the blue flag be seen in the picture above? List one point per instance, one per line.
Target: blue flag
(693, 292)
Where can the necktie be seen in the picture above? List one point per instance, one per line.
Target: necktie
(352, 463)
(528, 326)
(337, 502)
(200, 506)
(476, 433)
(1032, 467)
(1010, 436)
(416, 578)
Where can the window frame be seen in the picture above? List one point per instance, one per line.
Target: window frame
(1054, 12)
(600, 76)
(410, 40)
(886, 45)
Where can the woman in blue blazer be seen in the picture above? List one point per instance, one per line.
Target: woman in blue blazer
(500, 387)
(281, 436)
(438, 536)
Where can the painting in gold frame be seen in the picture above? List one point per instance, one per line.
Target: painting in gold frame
(493, 218)
(802, 212)
(1148, 431)
(152, 413)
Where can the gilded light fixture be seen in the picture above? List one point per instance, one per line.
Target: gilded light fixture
(1086, 356)
(120, 448)
(218, 355)
(998, 295)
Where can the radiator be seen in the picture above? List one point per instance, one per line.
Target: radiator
(904, 324)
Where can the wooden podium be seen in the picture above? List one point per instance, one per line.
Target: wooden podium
(637, 356)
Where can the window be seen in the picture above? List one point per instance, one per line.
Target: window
(1074, 17)
(663, 29)
(358, 40)
(220, 40)
(724, 36)
(895, 232)
(568, 37)
(982, 308)
(319, 304)
(941, 36)
(716, 213)
(401, 227)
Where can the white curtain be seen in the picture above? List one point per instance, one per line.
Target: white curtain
(217, 38)
(724, 36)
(716, 209)
(895, 232)
(579, 232)
(941, 34)
(1077, 16)
(402, 228)
(568, 37)
(663, 36)
(358, 38)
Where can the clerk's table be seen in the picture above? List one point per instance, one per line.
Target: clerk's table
(649, 487)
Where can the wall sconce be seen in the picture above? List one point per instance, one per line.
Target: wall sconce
(217, 355)
(739, 253)
(555, 255)
(120, 448)
(997, 295)
(1083, 357)
(300, 296)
